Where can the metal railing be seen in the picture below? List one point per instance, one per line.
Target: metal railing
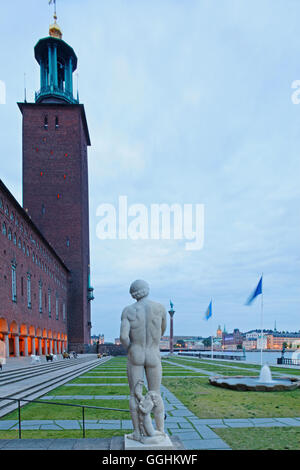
(288, 361)
(19, 400)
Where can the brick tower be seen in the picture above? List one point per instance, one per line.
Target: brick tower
(55, 175)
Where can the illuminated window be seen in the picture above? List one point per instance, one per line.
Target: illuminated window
(4, 231)
(46, 122)
(68, 242)
(56, 123)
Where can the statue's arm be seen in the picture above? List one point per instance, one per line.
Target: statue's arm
(164, 321)
(125, 329)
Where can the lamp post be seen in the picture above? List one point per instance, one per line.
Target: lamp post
(171, 313)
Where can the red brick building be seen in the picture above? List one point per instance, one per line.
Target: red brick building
(55, 213)
(33, 285)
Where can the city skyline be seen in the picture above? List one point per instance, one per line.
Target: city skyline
(191, 105)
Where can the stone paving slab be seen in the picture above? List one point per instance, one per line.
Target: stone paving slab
(68, 424)
(206, 433)
(288, 421)
(205, 444)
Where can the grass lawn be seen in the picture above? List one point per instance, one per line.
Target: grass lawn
(39, 411)
(100, 380)
(261, 439)
(214, 364)
(66, 434)
(105, 390)
(207, 401)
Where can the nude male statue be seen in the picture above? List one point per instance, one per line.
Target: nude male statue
(142, 325)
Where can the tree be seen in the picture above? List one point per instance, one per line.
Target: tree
(207, 342)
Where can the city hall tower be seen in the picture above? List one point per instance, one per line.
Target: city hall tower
(55, 174)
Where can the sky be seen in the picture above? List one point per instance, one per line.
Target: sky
(188, 102)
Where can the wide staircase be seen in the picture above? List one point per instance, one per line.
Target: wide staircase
(36, 380)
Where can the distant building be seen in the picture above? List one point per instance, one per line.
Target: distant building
(277, 340)
(232, 340)
(97, 339)
(219, 332)
(249, 344)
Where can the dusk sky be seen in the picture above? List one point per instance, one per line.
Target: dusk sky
(187, 102)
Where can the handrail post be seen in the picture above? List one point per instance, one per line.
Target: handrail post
(19, 414)
(83, 423)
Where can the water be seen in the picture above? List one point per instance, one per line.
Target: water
(265, 374)
(269, 357)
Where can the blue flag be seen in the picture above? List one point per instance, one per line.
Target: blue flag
(257, 291)
(208, 312)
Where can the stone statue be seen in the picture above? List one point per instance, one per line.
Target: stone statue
(142, 325)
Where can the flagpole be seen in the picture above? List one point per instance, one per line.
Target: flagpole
(261, 323)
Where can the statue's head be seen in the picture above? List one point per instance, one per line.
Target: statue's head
(139, 289)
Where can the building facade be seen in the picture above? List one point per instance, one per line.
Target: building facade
(33, 285)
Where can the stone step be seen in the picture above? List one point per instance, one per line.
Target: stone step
(34, 391)
(33, 372)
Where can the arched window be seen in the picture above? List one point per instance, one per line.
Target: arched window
(24, 248)
(1, 203)
(4, 231)
(12, 216)
(20, 243)
(15, 239)
(56, 123)
(6, 210)
(46, 122)
(9, 234)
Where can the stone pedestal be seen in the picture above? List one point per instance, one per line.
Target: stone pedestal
(165, 444)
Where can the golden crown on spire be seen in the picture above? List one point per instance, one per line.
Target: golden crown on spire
(54, 30)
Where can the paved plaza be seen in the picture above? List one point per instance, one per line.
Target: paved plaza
(193, 432)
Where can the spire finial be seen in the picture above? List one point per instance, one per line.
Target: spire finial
(55, 30)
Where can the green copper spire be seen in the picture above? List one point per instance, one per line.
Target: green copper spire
(57, 62)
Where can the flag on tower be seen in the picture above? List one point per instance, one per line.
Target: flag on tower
(257, 291)
(208, 312)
